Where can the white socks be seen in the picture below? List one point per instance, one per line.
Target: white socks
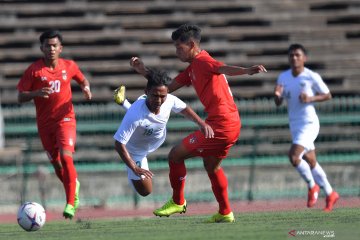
(321, 179)
(305, 172)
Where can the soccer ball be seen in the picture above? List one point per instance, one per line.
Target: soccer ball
(31, 216)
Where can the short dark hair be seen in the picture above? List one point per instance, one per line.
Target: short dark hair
(296, 46)
(52, 33)
(157, 78)
(185, 32)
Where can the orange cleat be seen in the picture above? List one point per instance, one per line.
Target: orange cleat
(331, 200)
(313, 195)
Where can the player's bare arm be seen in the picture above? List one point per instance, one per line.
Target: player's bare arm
(278, 94)
(235, 70)
(138, 65)
(85, 86)
(304, 98)
(26, 96)
(204, 127)
(125, 156)
(174, 85)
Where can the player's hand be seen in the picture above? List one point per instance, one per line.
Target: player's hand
(304, 98)
(256, 69)
(44, 92)
(87, 93)
(207, 130)
(279, 89)
(143, 172)
(138, 65)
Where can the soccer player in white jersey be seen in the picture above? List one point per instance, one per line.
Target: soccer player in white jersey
(301, 87)
(143, 128)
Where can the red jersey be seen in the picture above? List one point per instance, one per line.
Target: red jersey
(59, 104)
(212, 89)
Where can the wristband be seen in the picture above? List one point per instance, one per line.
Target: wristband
(87, 88)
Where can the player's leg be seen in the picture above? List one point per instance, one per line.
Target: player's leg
(120, 97)
(177, 176)
(303, 136)
(66, 138)
(48, 140)
(296, 153)
(219, 185)
(56, 163)
(141, 185)
(321, 179)
(70, 178)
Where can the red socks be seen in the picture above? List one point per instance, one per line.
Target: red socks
(219, 186)
(69, 178)
(218, 180)
(177, 177)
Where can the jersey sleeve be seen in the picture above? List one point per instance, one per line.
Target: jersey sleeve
(25, 83)
(178, 105)
(78, 76)
(211, 66)
(184, 78)
(319, 84)
(126, 129)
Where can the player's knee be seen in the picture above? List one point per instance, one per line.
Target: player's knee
(144, 193)
(294, 159)
(210, 167)
(56, 164)
(174, 156)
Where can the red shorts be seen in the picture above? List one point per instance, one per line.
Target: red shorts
(219, 146)
(61, 135)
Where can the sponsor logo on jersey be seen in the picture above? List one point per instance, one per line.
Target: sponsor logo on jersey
(64, 74)
(192, 140)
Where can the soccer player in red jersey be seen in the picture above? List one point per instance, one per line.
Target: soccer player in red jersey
(47, 82)
(207, 76)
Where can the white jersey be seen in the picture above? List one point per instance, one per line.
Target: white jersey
(308, 82)
(142, 131)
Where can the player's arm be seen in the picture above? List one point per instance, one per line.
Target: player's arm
(320, 97)
(125, 156)
(25, 96)
(278, 91)
(235, 70)
(205, 128)
(138, 65)
(85, 87)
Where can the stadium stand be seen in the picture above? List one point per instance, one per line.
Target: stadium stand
(102, 35)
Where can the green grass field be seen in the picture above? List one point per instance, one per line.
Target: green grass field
(309, 224)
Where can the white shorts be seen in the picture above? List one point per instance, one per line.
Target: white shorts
(304, 134)
(142, 162)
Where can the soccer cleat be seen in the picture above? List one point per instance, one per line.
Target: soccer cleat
(119, 95)
(313, 195)
(69, 211)
(170, 208)
(219, 218)
(77, 192)
(331, 200)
